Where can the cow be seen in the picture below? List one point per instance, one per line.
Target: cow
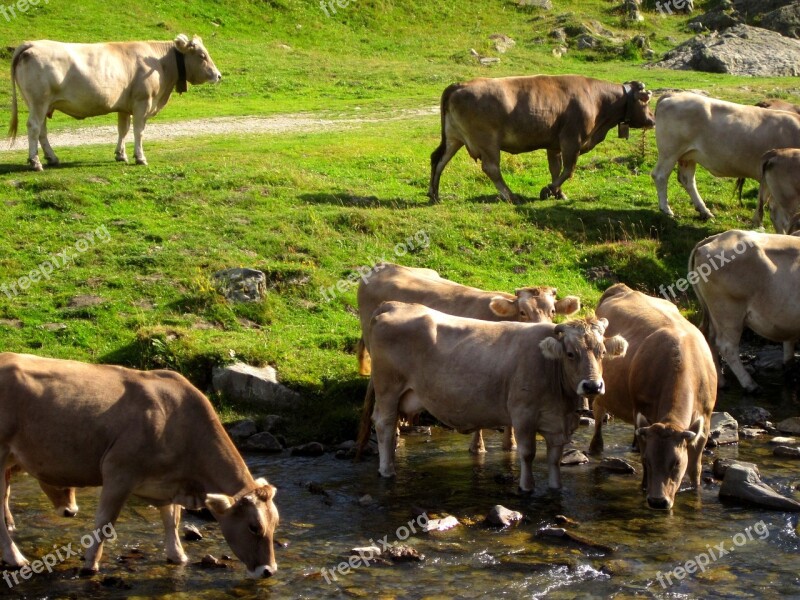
(776, 104)
(87, 80)
(63, 499)
(666, 385)
(747, 279)
(150, 434)
(727, 139)
(470, 374)
(780, 187)
(566, 115)
(388, 281)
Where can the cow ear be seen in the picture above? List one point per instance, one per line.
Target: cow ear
(694, 429)
(182, 43)
(218, 503)
(645, 97)
(503, 307)
(568, 305)
(552, 349)
(616, 346)
(641, 424)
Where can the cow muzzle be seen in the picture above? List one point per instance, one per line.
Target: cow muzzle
(659, 503)
(591, 387)
(261, 572)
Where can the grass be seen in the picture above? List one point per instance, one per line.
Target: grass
(309, 208)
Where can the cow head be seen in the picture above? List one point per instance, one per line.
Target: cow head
(581, 348)
(637, 111)
(665, 457)
(199, 66)
(534, 305)
(248, 524)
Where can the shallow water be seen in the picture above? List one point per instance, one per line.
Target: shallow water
(437, 474)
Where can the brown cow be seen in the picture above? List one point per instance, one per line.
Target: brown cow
(776, 104)
(727, 139)
(471, 374)
(151, 434)
(780, 188)
(387, 281)
(86, 80)
(566, 115)
(666, 385)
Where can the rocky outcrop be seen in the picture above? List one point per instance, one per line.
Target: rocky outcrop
(739, 50)
(785, 20)
(240, 284)
(781, 16)
(242, 382)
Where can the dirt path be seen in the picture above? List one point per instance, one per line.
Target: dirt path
(276, 124)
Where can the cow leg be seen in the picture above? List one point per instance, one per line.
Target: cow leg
(490, 163)
(477, 446)
(660, 175)
(727, 339)
(554, 454)
(49, 155)
(596, 445)
(123, 127)
(112, 498)
(439, 159)
(11, 554)
(36, 119)
(171, 518)
(526, 448)
(509, 441)
(694, 468)
(10, 525)
(139, 120)
(384, 416)
(788, 353)
(570, 150)
(686, 170)
(555, 165)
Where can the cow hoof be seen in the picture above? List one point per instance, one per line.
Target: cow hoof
(121, 158)
(560, 195)
(53, 162)
(755, 390)
(705, 216)
(545, 193)
(668, 212)
(87, 572)
(141, 161)
(35, 165)
(434, 197)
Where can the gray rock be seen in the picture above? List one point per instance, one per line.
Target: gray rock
(262, 442)
(751, 415)
(310, 449)
(573, 456)
(191, 533)
(617, 465)
(744, 485)
(270, 423)
(751, 432)
(402, 553)
(785, 20)
(631, 10)
(559, 34)
(500, 516)
(738, 50)
(365, 500)
(211, 562)
(783, 441)
(769, 358)
(241, 284)
(721, 465)
(587, 42)
(442, 524)
(241, 430)
(724, 428)
(241, 382)
(786, 452)
(502, 43)
(586, 422)
(543, 4)
(791, 425)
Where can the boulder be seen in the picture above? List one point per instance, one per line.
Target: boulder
(724, 429)
(786, 451)
(783, 441)
(769, 358)
(500, 516)
(502, 43)
(242, 382)
(543, 4)
(743, 484)
(721, 465)
(573, 456)
(310, 449)
(631, 10)
(617, 465)
(241, 284)
(191, 533)
(791, 425)
(751, 415)
(402, 553)
(738, 50)
(785, 20)
(442, 524)
(241, 430)
(262, 442)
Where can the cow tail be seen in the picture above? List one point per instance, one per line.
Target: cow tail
(12, 128)
(437, 154)
(364, 360)
(366, 419)
(705, 323)
(763, 191)
(738, 188)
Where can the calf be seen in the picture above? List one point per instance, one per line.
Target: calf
(471, 374)
(666, 385)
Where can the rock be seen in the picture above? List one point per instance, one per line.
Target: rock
(242, 382)
(791, 425)
(769, 358)
(442, 524)
(587, 42)
(210, 562)
(241, 430)
(502, 43)
(560, 51)
(563, 520)
(488, 60)
(574, 456)
(365, 500)
(348, 445)
(744, 484)
(559, 34)
(367, 553)
(500, 516)
(632, 12)
(53, 326)
(786, 452)
(618, 567)
(504, 478)
(560, 532)
(271, 423)
(616, 465)
(402, 553)
(241, 284)
(724, 428)
(785, 20)
(751, 415)
(262, 442)
(721, 465)
(543, 4)
(586, 422)
(84, 301)
(783, 441)
(13, 323)
(310, 449)
(191, 533)
(696, 27)
(738, 50)
(316, 489)
(751, 432)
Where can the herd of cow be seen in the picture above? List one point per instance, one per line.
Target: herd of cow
(473, 359)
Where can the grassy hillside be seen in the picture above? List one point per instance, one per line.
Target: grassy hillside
(309, 209)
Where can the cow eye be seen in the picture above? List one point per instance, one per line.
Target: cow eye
(255, 530)
(570, 355)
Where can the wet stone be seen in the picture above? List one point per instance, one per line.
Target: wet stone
(210, 562)
(310, 449)
(573, 456)
(442, 524)
(786, 452)
(721, 466)
(191, 533)
(616, 465)
(791, 425)
(402, 553)
(500, 516)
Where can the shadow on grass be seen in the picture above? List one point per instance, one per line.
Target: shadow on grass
(350, 200)
(6, 169)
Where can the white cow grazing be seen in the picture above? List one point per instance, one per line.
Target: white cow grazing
(727, 139)
(86, 80)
